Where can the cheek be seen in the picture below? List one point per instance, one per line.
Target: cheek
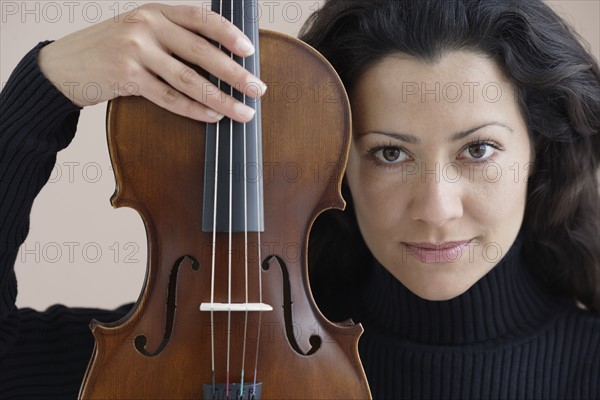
(379, 201)
(497, 198)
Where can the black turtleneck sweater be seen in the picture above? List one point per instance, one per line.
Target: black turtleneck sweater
(505, 337)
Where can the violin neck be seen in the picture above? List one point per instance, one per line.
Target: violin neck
(233, 151)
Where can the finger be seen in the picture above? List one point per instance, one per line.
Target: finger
(170, 99)
(210, 25)
(201, 52)
(187, 81)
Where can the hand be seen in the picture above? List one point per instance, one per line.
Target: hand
(127, 57)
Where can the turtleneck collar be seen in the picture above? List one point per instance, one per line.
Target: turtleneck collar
(507, 303)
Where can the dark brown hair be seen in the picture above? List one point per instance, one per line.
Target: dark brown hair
(558, 89)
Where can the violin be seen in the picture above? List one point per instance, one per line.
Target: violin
(226, 309)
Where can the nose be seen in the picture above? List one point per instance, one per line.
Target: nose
(436, 199)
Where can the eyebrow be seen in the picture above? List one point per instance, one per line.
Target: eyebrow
(408, 138)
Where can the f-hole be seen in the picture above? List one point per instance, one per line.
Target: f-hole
(314, 340)
(141, 340)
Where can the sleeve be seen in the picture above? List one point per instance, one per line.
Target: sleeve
(36, 121)
(42, 354)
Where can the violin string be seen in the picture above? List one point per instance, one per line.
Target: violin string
(229, 261)
(245, 177)
(214, 238)
(229, 277)
(214, 251)
(258, 201)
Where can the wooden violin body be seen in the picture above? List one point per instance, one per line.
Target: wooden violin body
(162, 348)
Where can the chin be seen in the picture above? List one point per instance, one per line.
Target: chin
(440, 287)
(439, 294)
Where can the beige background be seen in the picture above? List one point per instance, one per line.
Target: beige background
(81, 251)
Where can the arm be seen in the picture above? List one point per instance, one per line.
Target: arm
(39, 111)
(36, 122)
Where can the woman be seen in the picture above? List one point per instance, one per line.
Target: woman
(536, 182)
(471, 232)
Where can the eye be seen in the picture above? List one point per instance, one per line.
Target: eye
(480, 151)
(388, 154)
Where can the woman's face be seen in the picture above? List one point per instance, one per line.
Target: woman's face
(440, 154)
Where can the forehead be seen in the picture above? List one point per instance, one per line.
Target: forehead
(460, 88)
(455, 66)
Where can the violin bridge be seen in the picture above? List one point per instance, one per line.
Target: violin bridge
(235, 307)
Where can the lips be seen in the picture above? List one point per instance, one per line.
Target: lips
(445, 252)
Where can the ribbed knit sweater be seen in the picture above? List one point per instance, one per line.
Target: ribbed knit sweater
(505, 337)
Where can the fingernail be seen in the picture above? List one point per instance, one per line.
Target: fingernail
(256, 86)
(214, 115)
(243, 110)
(244, 45)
